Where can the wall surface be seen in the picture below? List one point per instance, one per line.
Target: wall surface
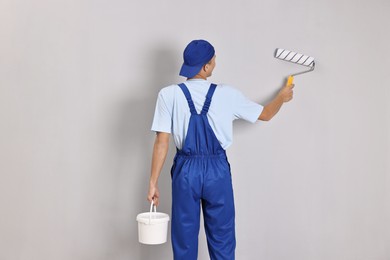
(78, 84)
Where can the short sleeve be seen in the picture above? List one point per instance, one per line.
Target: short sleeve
(246, 109)
(162, 120)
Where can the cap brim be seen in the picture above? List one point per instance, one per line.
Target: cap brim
(189, 71)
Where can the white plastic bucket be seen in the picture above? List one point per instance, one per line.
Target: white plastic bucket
(152, 227)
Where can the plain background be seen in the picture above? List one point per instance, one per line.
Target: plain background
(78, 85)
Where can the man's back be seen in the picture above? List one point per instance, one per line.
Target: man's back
(172, 112)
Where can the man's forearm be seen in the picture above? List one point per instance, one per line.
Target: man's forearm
(160, 151)
(271, 109)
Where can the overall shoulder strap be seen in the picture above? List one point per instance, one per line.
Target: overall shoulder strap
(209, 96)
(188, 97)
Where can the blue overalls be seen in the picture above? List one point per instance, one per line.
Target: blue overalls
(201, 176)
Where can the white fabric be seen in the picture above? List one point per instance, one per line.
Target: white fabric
(172, 112)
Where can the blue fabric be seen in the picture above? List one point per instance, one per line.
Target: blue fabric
(201, 177)
(196, 54)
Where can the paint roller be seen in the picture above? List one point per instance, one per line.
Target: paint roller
(297, 58)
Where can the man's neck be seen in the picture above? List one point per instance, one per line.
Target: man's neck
(199, 77)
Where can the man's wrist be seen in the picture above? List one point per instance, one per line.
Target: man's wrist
(153, 182)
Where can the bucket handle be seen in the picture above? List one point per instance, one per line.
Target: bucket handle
(152, 206)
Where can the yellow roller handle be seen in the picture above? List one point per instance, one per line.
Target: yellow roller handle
(290, 80)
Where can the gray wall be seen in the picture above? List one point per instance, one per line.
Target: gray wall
(78, 84)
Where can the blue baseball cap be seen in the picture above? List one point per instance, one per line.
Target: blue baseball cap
(196, 54)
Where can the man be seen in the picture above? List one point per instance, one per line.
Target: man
(200, 117)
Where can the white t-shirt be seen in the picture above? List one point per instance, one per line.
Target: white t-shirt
(172, 114)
